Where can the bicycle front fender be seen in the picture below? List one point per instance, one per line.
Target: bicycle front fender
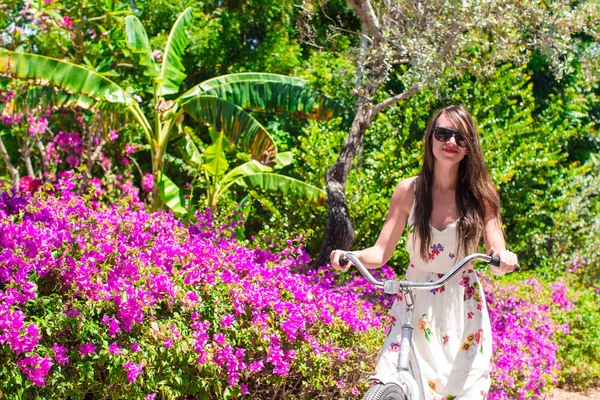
(402, 379)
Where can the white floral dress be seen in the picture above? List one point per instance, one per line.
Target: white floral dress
(452, 338)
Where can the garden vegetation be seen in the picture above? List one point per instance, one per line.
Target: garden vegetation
(165, 194)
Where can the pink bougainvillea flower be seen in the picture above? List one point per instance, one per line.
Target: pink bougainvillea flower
(114, 348)
(133, 370)
(148, 182)
(30, 184)
(60, 354)
(87, 348)
(67, 22)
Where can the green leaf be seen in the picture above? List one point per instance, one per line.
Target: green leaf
(248, 168)
(215, 161)
(268, 92)
(192, 155)
(285, 185)
(72, 78)
(137, 41)
(172, 71)
(284, 159)
(239, 126)
(44, 96)
(171, 195)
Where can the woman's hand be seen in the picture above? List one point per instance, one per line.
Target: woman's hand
(335, 260)
(508, 261)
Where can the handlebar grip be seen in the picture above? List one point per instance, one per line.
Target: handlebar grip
(343, 260)
(495, 261)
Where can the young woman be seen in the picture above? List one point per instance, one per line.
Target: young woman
(447, 208)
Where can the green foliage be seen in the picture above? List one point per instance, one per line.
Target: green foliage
(579, 346)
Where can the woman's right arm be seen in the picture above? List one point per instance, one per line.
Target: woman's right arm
(380, 253)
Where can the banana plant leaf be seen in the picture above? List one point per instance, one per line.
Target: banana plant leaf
(50, 96)
(284, 159)
(215, 161)
(285, 185)
(171, 195)
(268, 92)
(191, 153)
(239, 126)
(250, 168)
(137, 42)
(69, 77)
(172, 71)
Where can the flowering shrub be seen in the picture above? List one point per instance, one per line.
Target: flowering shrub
(579, 353)
(87, 157)
(116, 302)
(525, 335)
(529, 320)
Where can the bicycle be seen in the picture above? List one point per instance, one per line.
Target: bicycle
(396, 386)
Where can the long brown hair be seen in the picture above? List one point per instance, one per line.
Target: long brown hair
(475, 191)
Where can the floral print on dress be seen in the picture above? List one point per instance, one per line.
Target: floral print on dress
(424, 327)
(395, 347)
(391, 322)
(432, 385)
(444, 317)
(436, 249)
(471, 290)
(473, 340)
(441, 289)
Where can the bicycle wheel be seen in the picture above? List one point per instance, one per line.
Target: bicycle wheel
(389, 391)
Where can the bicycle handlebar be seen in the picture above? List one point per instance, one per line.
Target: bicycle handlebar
(393, 287)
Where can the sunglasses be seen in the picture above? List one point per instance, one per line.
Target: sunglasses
(444, 134)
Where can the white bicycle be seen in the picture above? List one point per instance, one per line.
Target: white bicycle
(402, 385)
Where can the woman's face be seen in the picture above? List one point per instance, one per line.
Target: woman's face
(450, 151)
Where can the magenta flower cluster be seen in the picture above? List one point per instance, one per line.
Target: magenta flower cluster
(148, 282)
(525, 337)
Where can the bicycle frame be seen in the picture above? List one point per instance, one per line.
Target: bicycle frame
(402, 375)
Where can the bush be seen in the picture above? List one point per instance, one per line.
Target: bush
(525, 336)
(115, 303)
(579, 347)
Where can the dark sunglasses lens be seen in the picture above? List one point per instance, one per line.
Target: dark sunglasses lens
(443, 135)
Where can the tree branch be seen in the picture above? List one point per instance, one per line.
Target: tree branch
(393, 100)
(14, 173)
(25, 151)
(362, 50)
(367, 15)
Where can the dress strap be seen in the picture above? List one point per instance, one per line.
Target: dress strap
(414, 185)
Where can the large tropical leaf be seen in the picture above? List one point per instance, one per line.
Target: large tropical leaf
(268, 92)
(284, 159)
(171, 195)
(239, 126)
(249, 168)
(172, 71)
(69, 77)
(137, 41)
(285, 185)
(52, 97)
(46, 97)
(191, 153)
(215, 162)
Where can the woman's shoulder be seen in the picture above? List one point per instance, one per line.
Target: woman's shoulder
(404, 193)
(407, 184)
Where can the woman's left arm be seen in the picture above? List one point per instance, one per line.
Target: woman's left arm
(494, 244)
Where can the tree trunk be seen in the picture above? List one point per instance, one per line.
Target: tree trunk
(339, 233)
(14, 173)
